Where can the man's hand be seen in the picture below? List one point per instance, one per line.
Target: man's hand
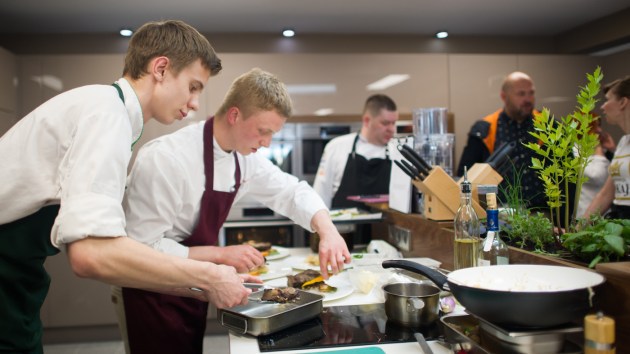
(333, 250)
(244, 258)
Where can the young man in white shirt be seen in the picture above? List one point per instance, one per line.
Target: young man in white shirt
(63, 176)
(180, 191)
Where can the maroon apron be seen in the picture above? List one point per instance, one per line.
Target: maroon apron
(158, 323)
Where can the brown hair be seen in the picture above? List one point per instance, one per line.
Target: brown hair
(619, 87)
(256, 91)
(375, 103)
(176, 40)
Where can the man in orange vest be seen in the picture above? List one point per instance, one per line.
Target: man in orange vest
(511, 123)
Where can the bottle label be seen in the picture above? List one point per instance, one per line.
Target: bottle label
(482, 262)
(487, 244)
(502, 260)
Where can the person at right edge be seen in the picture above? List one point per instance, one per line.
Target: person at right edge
(358, 163)
(615, 194)
(513, 122)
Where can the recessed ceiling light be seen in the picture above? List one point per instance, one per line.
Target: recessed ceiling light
(441, 35)
(288, 32)
(126, 32)
(387, 81)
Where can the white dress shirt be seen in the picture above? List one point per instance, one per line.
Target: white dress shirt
(334, 158)
(597, 172)
(72, 150)
(619, 169)
(167, 181)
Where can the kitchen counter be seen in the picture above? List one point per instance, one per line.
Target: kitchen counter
(249, 344)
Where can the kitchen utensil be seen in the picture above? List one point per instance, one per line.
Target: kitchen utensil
(414, 158)
(405, 169)
(264, 317)
(495, 158)
(517, 295)
(423, 343)
(412, 304)
(413, 170)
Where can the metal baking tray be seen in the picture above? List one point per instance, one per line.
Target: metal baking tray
(265, 317)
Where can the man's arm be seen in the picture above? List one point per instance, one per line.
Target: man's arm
(475, 150)
(332, 247)
(603, 199)
(124, 262)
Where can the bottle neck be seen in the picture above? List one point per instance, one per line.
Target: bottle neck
(492, 217)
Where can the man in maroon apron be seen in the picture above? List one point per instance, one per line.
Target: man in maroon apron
(163, 193)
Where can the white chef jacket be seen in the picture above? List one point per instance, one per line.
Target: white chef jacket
(167, 181)
(619, 169)
(72, 150)
(334, 158)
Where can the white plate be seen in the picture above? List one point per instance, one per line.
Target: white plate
(275, 273)
(342, 291)
(282, 253)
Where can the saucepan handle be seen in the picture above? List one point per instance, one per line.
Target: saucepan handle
(438, 278)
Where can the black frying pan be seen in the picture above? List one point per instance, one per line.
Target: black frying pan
(517, 295)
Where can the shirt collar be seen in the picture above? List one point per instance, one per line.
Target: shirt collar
(134, 109)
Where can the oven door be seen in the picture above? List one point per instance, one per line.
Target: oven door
(281, 232)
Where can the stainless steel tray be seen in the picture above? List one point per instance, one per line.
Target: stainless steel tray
(264, 317)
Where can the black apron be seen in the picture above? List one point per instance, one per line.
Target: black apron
(24, 246)
(361, 177)
(159, 323)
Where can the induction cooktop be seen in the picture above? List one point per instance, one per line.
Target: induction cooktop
(344, 326)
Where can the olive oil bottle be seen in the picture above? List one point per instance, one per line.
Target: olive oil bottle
(466, 225)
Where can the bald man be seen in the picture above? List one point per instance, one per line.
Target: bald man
(513, 122)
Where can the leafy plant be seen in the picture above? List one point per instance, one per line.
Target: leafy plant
(523, 228)
(599, 240)
(558, 167)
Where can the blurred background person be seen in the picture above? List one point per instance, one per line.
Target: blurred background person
(615, 194)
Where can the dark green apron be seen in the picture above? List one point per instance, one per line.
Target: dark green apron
(24, 246)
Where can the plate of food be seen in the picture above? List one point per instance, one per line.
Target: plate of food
(336, 287)
(312, 262)
(269, 251)
(265, 272)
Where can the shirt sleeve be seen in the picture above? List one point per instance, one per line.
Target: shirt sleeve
(280, 191)
(153, 200)
(93, 187)
(323, 184)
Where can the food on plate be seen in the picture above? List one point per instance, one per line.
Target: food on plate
(309, 280)
(263, 247)
(259, 270)
(312, 259)
(281, 295)
(363, 280)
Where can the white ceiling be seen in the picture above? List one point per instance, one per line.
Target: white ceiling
(422, 17)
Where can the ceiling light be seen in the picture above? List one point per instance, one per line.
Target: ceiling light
(324, 112)
(387, 81)
(441, 35)
(288, 32)
(311, 89)
(126, 32)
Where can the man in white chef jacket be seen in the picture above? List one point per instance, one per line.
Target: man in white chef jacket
(180, 190)
(64, 167)
(358, 163)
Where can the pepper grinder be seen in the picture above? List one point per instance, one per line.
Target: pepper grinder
(599, 334)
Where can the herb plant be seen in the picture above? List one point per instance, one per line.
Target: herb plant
(558, 167)
(599, 240)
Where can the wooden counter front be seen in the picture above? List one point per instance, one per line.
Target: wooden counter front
(428, 238)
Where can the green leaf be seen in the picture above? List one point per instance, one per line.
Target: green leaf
(617, 244)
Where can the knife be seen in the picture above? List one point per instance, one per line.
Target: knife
(498, 155)
(416, 156)
(420, 166)
(405, 170)
(413, 170)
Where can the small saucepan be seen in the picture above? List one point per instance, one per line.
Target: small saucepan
(412, 304)
(517, 295)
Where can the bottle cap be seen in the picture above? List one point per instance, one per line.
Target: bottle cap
(466, 186)
(491, 200)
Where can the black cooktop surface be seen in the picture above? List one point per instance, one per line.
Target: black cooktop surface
(344, 326)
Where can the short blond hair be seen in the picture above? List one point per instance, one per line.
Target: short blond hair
(179, 42)
(257, 91)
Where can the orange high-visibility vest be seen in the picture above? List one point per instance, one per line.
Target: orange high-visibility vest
(493, 119)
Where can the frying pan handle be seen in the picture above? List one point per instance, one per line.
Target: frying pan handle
(438, 278)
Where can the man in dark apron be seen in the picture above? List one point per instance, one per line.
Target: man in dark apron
(63, 171)
(363, 157)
